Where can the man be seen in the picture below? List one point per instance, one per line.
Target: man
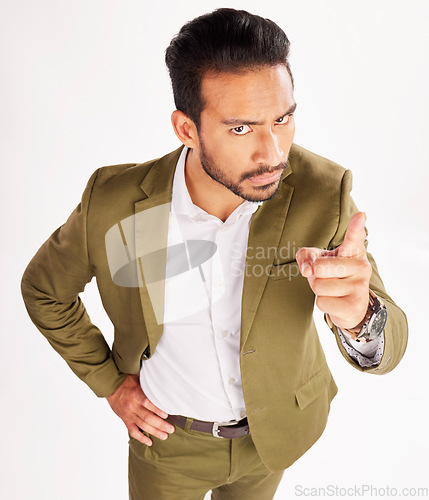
(209, 261)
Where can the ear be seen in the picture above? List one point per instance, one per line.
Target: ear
(185, 129)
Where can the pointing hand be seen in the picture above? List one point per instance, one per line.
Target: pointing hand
(340, 278)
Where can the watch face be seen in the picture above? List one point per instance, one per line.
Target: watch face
(377, 324)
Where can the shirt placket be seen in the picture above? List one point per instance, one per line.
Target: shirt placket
(226, 337)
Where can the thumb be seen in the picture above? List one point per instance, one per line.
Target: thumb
(354, 238)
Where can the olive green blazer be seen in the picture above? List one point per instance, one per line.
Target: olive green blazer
(287, 384)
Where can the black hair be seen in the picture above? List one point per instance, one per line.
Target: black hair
(225, 40)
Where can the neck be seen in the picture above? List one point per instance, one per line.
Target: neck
(206, 193)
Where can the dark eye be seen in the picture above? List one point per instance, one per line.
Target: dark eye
(241, 130)
(284, 119)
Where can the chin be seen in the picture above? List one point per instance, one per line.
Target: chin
(262, 193)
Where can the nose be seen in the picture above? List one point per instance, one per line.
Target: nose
(268, 150)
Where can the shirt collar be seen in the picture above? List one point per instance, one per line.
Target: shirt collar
(181, 202)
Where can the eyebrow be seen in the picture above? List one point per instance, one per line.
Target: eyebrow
(237, 121)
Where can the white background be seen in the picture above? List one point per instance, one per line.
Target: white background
(83, 84)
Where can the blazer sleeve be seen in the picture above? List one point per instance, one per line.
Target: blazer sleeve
(50, 287)
(396, 329)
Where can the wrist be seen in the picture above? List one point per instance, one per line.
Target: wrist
(354, 331)
(373, 323)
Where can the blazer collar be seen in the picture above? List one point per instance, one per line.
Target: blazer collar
(160, 177)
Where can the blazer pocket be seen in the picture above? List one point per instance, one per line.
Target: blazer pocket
(288, 270)
(313, 388)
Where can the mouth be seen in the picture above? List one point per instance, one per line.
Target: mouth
(267, 178)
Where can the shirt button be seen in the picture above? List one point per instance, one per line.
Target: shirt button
(219, 284)
(223, 333)
(231, 380)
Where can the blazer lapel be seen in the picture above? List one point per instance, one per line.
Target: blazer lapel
(151, 217)
(264, 235)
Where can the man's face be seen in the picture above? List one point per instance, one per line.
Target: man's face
(247, 129)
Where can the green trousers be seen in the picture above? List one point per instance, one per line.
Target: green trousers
(189, 463)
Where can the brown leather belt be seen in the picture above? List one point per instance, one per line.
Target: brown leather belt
(226, 430)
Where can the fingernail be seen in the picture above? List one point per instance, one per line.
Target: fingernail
(164, 437)
(170, 430)
(365, 216)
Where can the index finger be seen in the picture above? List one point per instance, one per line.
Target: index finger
(354, 239)
(147, 403)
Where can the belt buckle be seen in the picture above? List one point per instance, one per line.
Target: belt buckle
(216, 425)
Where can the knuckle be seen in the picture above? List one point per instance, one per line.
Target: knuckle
(319, 269)
(299, 256)
(145, 417)
(317, 286)
(368, 269)
(320, 302)
(128, 404)
(136, 435)
(348, 302)
(361, 289)
(149, 418)
(365, 267)
(339, 269)
(145, 402)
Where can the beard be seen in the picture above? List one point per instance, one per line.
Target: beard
(259, 193)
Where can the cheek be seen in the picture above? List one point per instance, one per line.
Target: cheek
(288, 133)
(227, 155)
(234, 160)
(286, 139)
(233, 151)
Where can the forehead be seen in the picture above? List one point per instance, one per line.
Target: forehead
(266, 88)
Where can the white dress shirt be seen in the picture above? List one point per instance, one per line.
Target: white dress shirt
(195, 368)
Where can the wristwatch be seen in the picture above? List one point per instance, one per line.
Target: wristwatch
(373, 323)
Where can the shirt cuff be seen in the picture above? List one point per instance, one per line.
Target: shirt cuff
(368, 354)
